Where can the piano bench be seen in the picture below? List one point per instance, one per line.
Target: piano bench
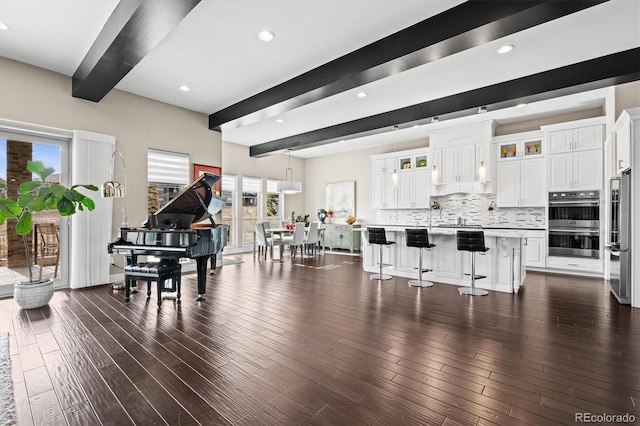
(159, 272)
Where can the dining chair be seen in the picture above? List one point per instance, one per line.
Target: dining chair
(296, 240)
(263, 241)
(267, 227)
(312, 239)
(49, 252)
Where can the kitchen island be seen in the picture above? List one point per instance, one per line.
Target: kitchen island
(503, 264)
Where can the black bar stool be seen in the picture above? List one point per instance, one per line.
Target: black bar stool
(419, 237)
(378, 236)
(472, 241)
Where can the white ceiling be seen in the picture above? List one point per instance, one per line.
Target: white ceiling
(215, 51)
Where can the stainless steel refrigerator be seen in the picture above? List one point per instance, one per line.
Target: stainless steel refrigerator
(620, 238)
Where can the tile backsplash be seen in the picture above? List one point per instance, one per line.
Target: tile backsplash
(475, 208)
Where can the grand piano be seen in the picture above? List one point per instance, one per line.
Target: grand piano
(176, 230)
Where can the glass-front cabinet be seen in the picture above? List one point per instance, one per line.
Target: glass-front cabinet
(519, 149)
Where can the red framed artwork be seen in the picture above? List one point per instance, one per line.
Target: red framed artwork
(198, 169)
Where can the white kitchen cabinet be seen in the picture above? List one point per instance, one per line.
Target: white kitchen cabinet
(623, 130)
(575, 170)
(383, 164)
(521, 183)
(414, 184)
(447, 256)
(536, 249)
(384, 193)
(577, 139)
(575, 155)
(518, 149)
(459, 164)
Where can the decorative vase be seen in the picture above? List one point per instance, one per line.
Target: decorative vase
(30, 295)
(322, 215)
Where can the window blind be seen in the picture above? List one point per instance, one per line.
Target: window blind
(251, 184)
(272, 186)
(167, 167)
(229, 182)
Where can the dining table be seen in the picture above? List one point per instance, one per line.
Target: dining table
(281, 232)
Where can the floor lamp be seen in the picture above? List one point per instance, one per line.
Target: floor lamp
(114, 189)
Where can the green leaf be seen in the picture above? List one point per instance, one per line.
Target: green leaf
(10, 207)
(35, 166)
(89, 187)
(57, 189)
(88, 203)
(25, 199)
(73, 195)
(25, 223)
(66, 207)
(27, 187)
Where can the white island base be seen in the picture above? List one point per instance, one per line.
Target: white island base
(503, 265)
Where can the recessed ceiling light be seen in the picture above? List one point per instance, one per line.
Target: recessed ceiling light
(342, 141)
(435, 119)
(362, 94)
(266, 36)
(3, 26)
(506, 48)
(279, 120)
(482, 110)
(416, 125)
(521, 105)
(184, 88)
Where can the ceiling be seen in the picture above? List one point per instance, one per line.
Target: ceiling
(213, 48)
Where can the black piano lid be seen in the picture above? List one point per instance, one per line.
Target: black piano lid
(191, 199)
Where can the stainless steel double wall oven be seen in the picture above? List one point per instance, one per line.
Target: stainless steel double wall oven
(574, 224)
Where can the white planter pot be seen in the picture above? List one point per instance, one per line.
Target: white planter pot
(33, 295)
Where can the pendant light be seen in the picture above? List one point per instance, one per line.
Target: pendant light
(289, 186)
(394, 176)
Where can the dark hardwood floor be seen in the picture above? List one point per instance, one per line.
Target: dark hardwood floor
(315, 341)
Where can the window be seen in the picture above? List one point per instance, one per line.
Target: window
(251, 190)
(228, 194)
(274, 204)
(15, 150)
(167, 175)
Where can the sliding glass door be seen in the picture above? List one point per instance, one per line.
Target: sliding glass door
(46, 246)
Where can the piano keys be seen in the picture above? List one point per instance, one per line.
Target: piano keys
(174, 231)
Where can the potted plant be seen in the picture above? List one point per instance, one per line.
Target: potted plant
(36, 196)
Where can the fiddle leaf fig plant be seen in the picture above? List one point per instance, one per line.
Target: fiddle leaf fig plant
(40, 195)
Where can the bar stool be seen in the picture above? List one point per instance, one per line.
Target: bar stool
(379, 236)
(472, 241)
(419, 237)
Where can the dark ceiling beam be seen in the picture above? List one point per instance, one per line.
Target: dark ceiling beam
(614, 69)
(463, 27)
(134, 28)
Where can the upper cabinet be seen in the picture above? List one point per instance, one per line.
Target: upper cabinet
(520, 170)
(575, 155)
(578, 139)
(402, 179)
(463, 159)
(623, 132)
(414, 185)
(384, 191)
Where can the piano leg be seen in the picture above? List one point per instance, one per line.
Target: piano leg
(201, 268)
(213, 264)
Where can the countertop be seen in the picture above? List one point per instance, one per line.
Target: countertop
(435, 230)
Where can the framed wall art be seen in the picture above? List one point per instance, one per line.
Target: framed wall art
(341, 198)
(198, 169)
